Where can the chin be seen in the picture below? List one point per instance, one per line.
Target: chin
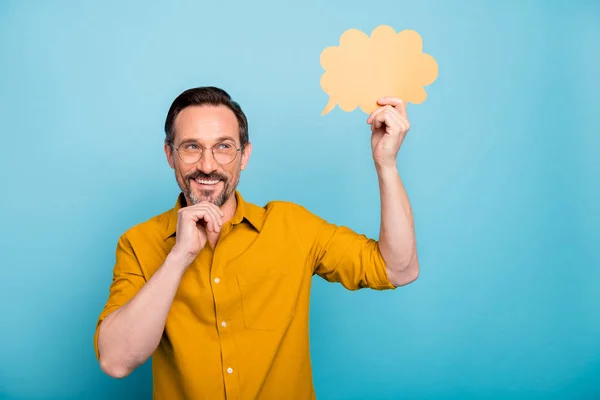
(216, 198)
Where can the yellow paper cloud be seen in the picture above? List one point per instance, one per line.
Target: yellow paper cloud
(361, 69)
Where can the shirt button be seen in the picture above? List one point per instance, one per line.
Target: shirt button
(230, 370)
(223, 324)
(217, 280)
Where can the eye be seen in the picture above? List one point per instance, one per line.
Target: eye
(224, 146)
(190, 146)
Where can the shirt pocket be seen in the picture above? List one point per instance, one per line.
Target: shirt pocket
(267, 300)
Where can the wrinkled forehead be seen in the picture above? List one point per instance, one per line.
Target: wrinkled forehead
(206, 124)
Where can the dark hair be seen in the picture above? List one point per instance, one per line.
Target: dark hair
(207, 95)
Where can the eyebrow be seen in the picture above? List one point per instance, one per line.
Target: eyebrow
(218, 140)
(223, 138)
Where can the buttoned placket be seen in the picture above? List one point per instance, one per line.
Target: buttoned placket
(220, 290)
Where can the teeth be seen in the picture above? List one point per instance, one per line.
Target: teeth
(203, 182)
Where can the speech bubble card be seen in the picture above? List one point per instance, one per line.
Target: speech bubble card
(363, 69)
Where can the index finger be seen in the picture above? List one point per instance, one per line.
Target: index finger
(395, 102)
(211, 205)
(207, 214)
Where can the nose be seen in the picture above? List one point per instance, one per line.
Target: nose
(207, 163)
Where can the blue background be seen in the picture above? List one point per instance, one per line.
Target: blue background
(501, 165)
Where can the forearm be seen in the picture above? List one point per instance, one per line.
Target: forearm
(129, 335)
(397, 241)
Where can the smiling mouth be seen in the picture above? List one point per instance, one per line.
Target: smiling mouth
(207, 182)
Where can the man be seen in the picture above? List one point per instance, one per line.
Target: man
(216, 289)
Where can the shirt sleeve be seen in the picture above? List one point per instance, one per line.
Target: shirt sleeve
(339, 254)
(127, 280)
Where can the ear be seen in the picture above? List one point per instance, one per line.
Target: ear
(246, 155)
(169, 153)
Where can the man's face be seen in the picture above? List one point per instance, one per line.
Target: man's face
(207, 179)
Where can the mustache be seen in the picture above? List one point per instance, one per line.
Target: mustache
(210, 177)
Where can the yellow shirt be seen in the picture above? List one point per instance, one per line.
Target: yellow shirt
(238, 326)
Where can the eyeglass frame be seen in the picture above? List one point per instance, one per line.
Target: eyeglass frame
(202, 152)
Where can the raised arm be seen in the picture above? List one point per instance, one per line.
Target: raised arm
(397, 242)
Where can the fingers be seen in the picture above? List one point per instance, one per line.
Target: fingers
(374, 114)
(207, 212)
(383, 116)
(389, 116)
(217, 218)
(214, 222)
(394, 124)
(395, 102)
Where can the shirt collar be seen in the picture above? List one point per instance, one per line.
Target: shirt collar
(244, 212)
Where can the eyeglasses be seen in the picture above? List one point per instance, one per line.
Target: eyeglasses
(191, 153)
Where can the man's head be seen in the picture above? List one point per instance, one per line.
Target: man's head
(207, 144)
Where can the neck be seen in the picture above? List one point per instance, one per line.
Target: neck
(229, 208)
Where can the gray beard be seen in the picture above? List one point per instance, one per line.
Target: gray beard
(206, 196)
(218, 201)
